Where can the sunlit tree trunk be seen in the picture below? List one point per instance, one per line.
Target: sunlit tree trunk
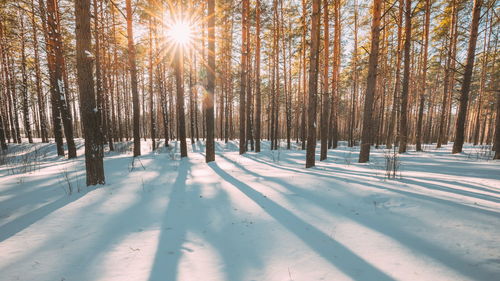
(243, 70)
(355, 78)
(325, 95)
(424, 76)
(333, 128)
(209, 103)
(59, 93)
(371, 81)
(38, 80)
(90, 117)
(313, 84)
(464, 92)
(403, 122)
(133, 78)
(258, 98)
(24, 81)
(397, 83)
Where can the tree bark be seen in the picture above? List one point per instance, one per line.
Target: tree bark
(59, 95)
(371, 83)
(258, 98)
(313, 84)
(243, 70)
(325, 96)
(133, 78)
(209, 103)
(424, 76)
(464, 93)
(88, 108)
(403, 122)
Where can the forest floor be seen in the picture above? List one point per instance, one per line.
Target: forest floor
(251, 217)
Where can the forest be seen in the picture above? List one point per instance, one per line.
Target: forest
(178, 133)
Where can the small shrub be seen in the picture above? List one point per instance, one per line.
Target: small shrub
(392, 164)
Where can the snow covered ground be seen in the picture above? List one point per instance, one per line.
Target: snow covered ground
(252, 217)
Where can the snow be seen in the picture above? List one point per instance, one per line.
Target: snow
(60, 84)
(252, 217)
(89, 54)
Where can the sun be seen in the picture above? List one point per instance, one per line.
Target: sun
(180, 33)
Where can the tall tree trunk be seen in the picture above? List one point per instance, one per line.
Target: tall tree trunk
(304, 102)
(90, 117)
(151, 88)
(38, 80)
(403, 125)
(496, 144)
(244, 60)
(313, 84)
(59, 95)
(442, 133)
(397, 83)
(371, 83)
(133, 78)
(24, 86)
(325, 96)
(258, 98)
(209, 103)
(355, 78)
(333, 128)
(424, 76)
(464, 93)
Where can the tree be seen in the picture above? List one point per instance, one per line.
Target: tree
(24, 86)
(243, 70)
(497, 129)
(464, 92)
(258, 98)
(133, 78)
(424, 76)
(88, 107)
(56, 61)
(325, 96)
(366, 136)
(403, 121)
(209, 103)
(38, 79)
(313, 84)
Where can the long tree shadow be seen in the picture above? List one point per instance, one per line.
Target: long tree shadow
(406, 238)
(173, 230)
(188, 213)
(347, 176)
(15, 226)
(332, 251)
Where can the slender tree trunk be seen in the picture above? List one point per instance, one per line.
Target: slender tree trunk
(151, 88)
(38, 80)
(133, 78)
(403, 125)
(397, 83)
(333, 128)
(313, 84)
(355, 78)
(371, 81)
(244, 50)
(90, 117)
(496, 144)
(464, 93)
(304, 103)
(424, 76)
(59, 92)
(325, 118)
(258, 98)
(209, 103)
(24, 86)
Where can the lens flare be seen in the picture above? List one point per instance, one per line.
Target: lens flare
(180, 33)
